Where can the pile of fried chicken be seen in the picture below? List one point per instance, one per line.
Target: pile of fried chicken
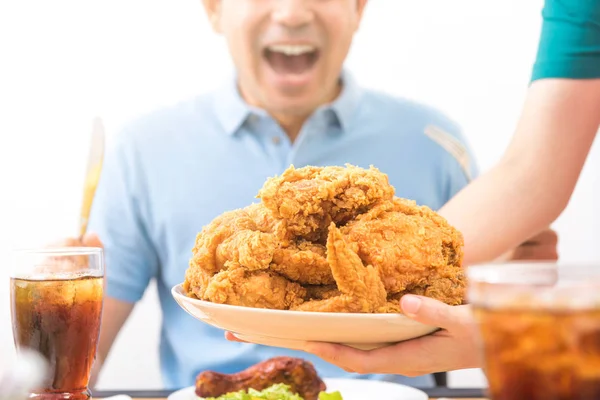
(328, 239)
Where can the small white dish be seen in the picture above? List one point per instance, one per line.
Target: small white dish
(291, 329)
(118, 397)
(350, 389)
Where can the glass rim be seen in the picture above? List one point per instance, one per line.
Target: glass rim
(60, 251)
(514, 272)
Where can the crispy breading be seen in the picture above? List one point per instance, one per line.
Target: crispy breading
(327, 239)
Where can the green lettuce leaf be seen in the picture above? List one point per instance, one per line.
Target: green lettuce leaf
(330, 396)
(278, 391)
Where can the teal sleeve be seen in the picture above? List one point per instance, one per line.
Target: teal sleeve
(570, 40)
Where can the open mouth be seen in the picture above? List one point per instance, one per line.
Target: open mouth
(291, 59)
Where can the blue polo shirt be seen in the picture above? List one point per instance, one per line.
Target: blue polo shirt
(171, 172)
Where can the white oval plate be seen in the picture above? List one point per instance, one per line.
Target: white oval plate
(351, 389)
(291, 329)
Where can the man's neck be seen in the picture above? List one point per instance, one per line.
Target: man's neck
(292, 123)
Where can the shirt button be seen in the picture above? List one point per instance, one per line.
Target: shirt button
(276, 140)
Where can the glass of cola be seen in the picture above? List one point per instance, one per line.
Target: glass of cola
(540, 329)
(56, 306)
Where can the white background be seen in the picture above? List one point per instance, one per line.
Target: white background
(62, 62)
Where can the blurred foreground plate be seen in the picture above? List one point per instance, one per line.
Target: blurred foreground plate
(290, 329)
(350, 389)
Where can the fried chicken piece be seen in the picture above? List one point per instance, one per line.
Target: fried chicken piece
(392, 306)
(298, 260)
(234, 236)
(412, 247)
(251, 238)
(266, 222)
(304, 263)
(361, 287)
(220, 245)
(341, 304)
(196, 281)
(253, 250)
(309, 198)
(448, 287)
(261, 289)
(321, 292)
(299, 374)
(214, 235)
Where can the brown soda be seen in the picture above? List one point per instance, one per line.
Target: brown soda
(541, 354)
(59, 318)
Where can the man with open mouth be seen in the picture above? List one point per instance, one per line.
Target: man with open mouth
(290, 102)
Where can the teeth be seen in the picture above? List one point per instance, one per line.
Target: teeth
(291, 50)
